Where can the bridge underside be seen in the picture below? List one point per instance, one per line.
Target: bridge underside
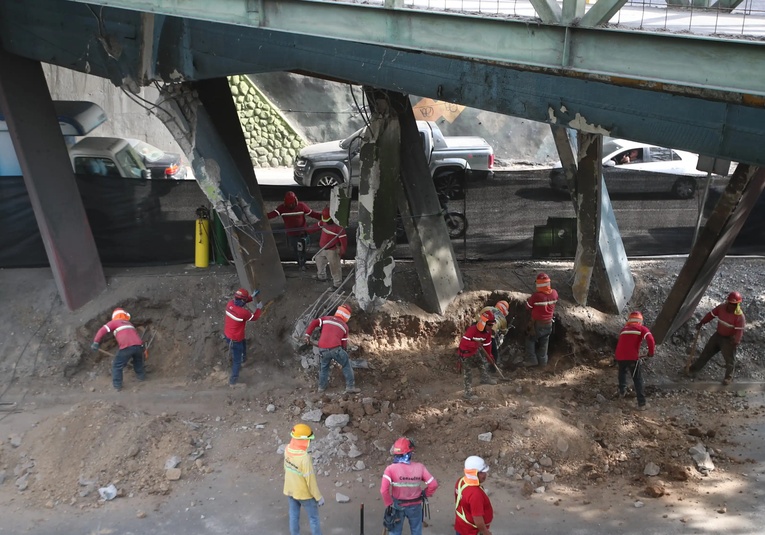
(133, 48)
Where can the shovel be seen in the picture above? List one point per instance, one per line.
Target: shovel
(692, 351)
(493, 363)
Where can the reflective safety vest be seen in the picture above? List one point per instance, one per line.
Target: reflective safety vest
(457, 506)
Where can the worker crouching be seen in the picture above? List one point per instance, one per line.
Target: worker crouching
(474, 344)
(628, 358)
(130, 343)
(333, 342)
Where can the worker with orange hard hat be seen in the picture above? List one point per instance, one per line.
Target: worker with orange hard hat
(332, 344)
(627, 355)
(474, 344)
(501, 310)
(130, 343)
(541, 307)
(293, 212)
(401, 489)
(300, 485)
(726, 339)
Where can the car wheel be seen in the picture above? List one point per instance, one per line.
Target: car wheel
(684, 188)
(451, 184)
(325, 179)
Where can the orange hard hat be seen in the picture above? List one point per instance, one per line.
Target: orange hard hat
(734, 298)
(543, 279)
(486, 319)
(503, 306)
(402, 446)
(290, 199)
(343, 312)
(635, 317)
(325, 215)
(120, 314)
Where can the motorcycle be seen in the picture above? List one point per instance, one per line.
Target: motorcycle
(456, 222)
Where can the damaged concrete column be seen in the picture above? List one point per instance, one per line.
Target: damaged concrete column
(587, 200)
(203, 119)
(379, 180)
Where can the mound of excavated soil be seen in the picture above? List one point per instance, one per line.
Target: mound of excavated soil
(556, 428)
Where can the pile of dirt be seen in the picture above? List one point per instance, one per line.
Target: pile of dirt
(561, 428)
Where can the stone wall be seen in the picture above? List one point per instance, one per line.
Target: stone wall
(271, 140)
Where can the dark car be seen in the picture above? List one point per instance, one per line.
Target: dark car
(631, 167)
(161, 164)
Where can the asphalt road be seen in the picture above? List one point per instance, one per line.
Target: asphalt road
(503, 211)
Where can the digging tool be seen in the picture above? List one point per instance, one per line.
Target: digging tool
(361, 519)
(493, 363)
(105, 352)
(692, 351)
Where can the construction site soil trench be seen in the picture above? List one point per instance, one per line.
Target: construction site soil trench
(564, 451)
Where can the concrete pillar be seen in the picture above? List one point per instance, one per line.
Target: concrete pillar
(202, 118)
(380, 169)
(587, 200)
(432, 251)
(26, 103)
(715, 239)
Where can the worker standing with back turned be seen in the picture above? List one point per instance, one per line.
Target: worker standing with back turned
(293, 212)
(628, 358)
(541, 307)
(333, 342)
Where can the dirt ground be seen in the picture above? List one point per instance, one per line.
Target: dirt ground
(559, 437)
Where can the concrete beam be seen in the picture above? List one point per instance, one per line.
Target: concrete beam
(36, 135)
(744, 188)
(568, 160)
(587, 199)
(432, 251)
(202, 118)
(640, 59)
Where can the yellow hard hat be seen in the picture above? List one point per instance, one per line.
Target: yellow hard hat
(301, 432)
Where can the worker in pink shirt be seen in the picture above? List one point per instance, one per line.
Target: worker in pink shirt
(131, 346)
(401, 489)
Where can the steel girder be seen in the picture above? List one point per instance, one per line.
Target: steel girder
(114, 45)
(645, 58)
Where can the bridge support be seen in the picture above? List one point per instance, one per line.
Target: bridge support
(42, 153)
(202, 118)
(744, 188)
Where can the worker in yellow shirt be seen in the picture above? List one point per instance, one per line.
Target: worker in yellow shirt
(300, 484)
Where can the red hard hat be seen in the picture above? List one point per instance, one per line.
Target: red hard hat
(290, 199)
(488, 317)
(242, 294)
(325, 215)
(402, 446)
(734, 297)
(635, 317)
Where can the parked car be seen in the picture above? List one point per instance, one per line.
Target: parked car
(161, 164)
(632, 167)
(450, 158)
(107, 156)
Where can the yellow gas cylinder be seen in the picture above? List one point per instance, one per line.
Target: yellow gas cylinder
(202, 241)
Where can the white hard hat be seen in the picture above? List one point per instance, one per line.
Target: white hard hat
(474, 462)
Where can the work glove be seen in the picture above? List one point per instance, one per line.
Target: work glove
(389, 510)
(306, 339)
(320, 502)
(699, 325)
(94, 346)
(259, 306)
(255, 293)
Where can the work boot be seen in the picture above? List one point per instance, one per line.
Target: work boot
(620, 394)
(530, 364)
(488, 381)
(642, 407)
(352, 390)
(727, 381)
(321, 390)
(469, 396)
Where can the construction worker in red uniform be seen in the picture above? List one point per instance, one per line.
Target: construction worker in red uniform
(332, 246)
(130, 343)
(293, 212)
(401, 489)
(628, 358)
(730, 328)
(472, 506)
(237, 316)
(501, 310)
(332, 344)
(474, 344)
(541, 307)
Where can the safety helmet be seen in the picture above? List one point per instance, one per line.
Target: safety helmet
(290, 199)
(343, 312)
(474, 462)
(486, 319)
(120, 314)
(302, 432)
(734, 298)
(402, 446)
(503, 306)
(325, 215)
(543, 279)
(242, 294)
(635, 317)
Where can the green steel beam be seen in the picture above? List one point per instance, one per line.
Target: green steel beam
(657, 61)
(601, 12)
(548, 10)
(726, 6)
(572, 10)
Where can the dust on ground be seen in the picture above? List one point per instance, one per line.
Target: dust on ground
(559, 431)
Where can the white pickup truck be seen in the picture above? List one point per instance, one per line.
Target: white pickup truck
(451, 160)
